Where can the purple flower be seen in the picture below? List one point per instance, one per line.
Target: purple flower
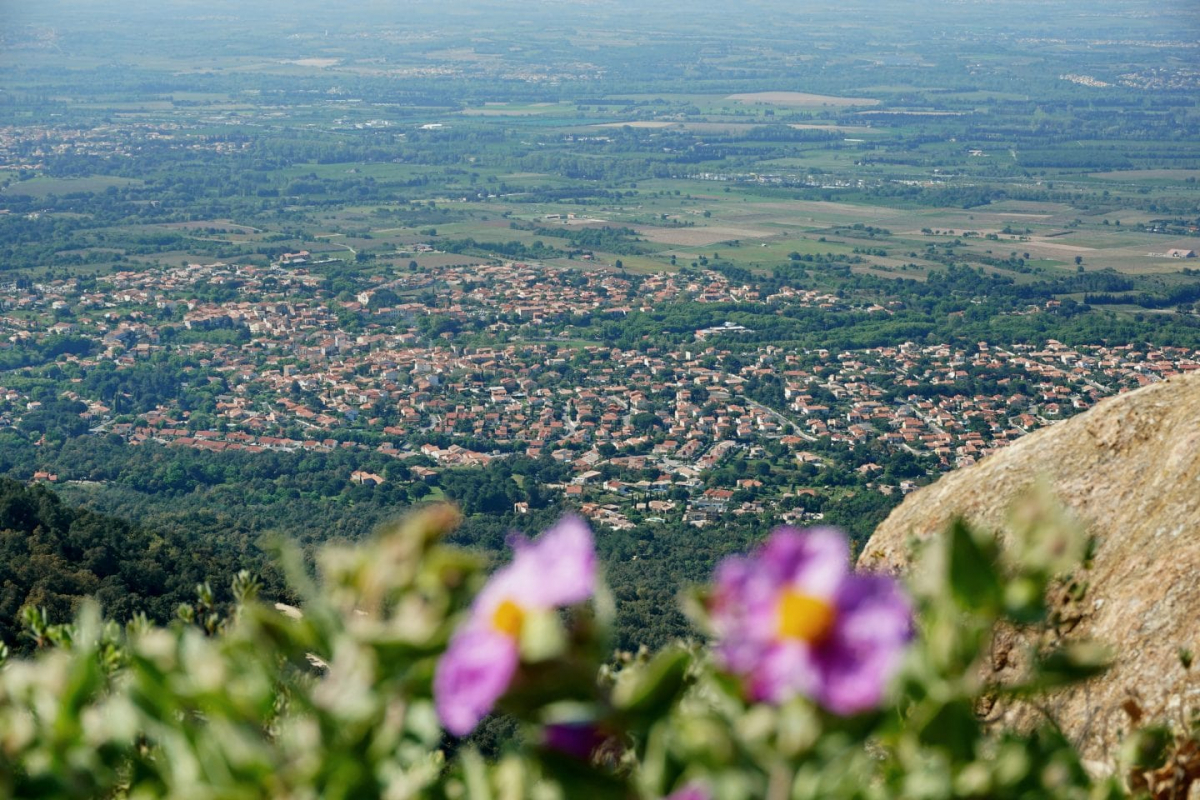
(576, 739)
(794, 620)
(692, 791)
(556, 570)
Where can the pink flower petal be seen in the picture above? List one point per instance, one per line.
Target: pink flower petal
(693, 791)
(874, 627)
(814, 562)
(561, 564)
(471, 676)
(558, 569)
(785, 670)
(847, 667)
(555, 570)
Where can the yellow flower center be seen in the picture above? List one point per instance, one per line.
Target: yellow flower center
(804, 617)
(508, 618)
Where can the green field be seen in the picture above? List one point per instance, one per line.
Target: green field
(43, 186)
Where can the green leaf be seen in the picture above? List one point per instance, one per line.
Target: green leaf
(581, 780)
(1147, 748)
(475, 775)
(974, 578)
(652, 688)
(954, 728)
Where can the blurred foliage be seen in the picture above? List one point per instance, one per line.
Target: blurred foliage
(333, 699)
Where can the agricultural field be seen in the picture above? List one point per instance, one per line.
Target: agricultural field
(649, 148)
(801, 100)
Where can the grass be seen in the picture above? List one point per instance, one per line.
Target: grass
(766, 221)
(1139, 175)
(768, 228)
(42, 186)
(520, 109)
(380, 171)
(802, 99)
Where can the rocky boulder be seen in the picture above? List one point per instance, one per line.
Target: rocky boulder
(1130, 469)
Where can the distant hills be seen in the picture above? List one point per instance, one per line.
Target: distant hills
(53, 556)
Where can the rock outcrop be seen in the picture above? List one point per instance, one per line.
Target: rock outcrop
(1130, 469)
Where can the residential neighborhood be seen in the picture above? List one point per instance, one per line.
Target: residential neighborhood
(462, 366)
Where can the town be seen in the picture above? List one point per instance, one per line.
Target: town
(459, 366)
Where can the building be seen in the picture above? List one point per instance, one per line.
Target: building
(366, 478)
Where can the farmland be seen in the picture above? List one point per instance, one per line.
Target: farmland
(906, 161)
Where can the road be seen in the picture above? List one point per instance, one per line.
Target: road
(781, 419)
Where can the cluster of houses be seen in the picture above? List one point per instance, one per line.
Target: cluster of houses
(24, 147)
(302, 379)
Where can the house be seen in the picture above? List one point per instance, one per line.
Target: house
(713, 500)
(366, 478)
(424, 473)
(1175, 252)
(294, 258)
(591, 476)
